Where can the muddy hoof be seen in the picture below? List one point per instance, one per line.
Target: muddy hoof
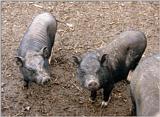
(104, 104)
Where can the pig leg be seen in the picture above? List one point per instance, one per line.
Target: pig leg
(93, 96)
(26, 83)
(50, 58)
(106, 95)
(133, 109)
(51, 45)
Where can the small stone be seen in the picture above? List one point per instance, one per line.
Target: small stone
(27, 108)
(3, 84)
(69, 25)
(122, 5)
(124, 100)
(81, 102)
(2, 90)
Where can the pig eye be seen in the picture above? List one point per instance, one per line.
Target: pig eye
(82, 72)
(98, 71)
(31, 71)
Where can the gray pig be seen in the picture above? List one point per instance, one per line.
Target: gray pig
(34, 52)
(103, 67)
(145, 87)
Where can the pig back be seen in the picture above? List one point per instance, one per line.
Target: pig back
(41, 33)
(124, 52)
(125, 46)
(145, 86)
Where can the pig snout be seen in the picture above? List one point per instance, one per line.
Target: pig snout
(43, 78)
(92, 84)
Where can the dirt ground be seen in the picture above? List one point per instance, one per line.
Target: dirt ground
(91, 24)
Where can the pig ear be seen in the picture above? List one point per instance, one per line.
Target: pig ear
(19, 61)
(104, 58)
(45, 52)
(77, 60)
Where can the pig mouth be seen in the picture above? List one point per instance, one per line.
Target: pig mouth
(93, 89)
(43, 80)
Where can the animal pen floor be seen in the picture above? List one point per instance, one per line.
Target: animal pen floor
(91, 24)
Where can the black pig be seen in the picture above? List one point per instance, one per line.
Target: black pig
(34, 52)
(103, 67)
(145, 87)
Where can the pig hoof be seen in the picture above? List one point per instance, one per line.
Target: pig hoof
(25, 85)
(104, 104)
(24, 88)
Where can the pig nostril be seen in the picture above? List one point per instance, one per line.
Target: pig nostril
(92, 84)
(46, 81)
